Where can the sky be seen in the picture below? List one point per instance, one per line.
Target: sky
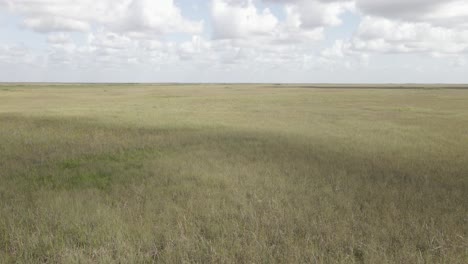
(246, 41)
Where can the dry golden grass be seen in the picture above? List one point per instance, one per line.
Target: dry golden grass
(232, 174)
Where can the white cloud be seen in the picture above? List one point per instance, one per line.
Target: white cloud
(243, 37)
(59, 38)
(316, 13)
(448, 13)
(155, 16)
(459, 62)
(110, 41)
(343, 54)
(241, 19)
(383, 35)
(17, 54)
(54, 24)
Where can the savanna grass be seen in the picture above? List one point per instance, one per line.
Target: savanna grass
(232, 174)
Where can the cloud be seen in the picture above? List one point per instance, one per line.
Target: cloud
(432, 27)
(17, 54)
(55, 24)
(459, 62)
(59, 38)
(343, 54)
(49, 15)
(235, 36)
(110, 41)
(449, 13)
(316, 13)
(154, 16)
(378, 34)
(241, 19)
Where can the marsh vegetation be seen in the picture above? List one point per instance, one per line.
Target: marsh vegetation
(232, 174)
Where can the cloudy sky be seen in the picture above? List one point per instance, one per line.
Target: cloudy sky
(325, 41)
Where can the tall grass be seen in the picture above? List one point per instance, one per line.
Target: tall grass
(232, 174)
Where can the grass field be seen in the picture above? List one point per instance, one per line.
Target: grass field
(233, 174)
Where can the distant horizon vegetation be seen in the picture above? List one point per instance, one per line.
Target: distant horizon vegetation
(295, 84)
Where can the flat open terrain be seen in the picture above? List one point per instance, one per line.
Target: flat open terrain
(233, 174)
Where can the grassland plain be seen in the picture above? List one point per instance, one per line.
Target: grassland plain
(232, 174)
